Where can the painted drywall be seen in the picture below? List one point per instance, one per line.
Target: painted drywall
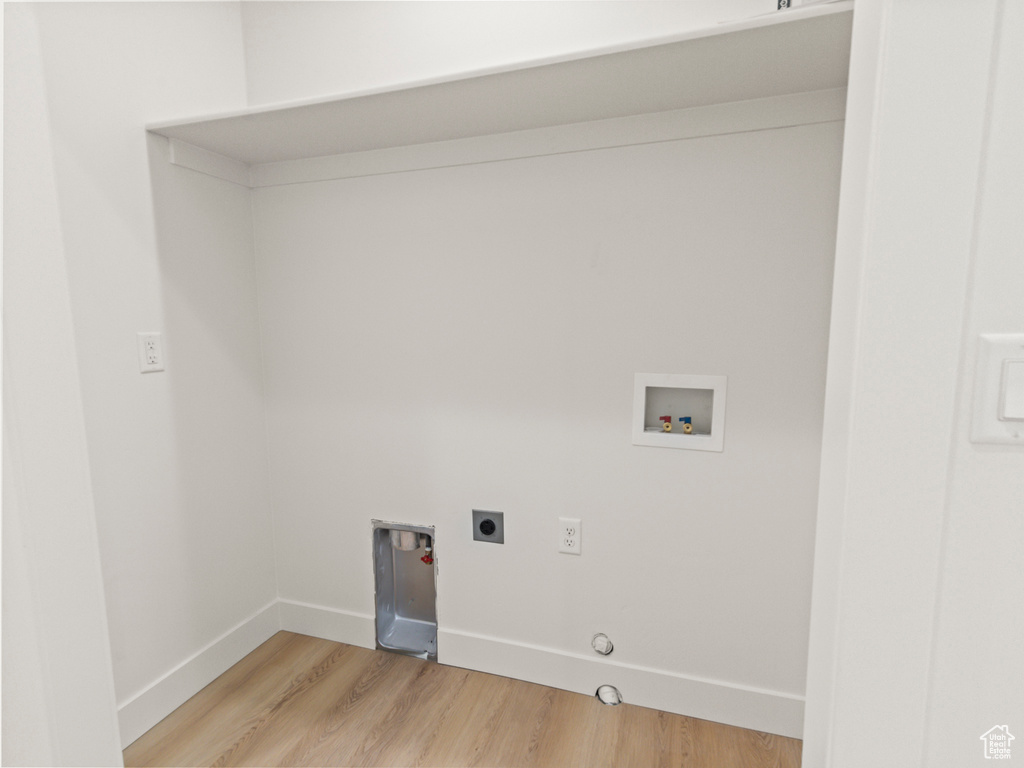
(58, 694)
(178, 462)
(466, 337)
(977, 665)
(842, 362)
(299, 50)
(963, 561)
(907, 504)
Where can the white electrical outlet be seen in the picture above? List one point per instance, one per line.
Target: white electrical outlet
(570, 535)
(151, 353)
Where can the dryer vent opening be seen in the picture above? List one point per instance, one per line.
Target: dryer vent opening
(405, 590)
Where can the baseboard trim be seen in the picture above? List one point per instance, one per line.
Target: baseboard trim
(719, 701)
(743, 706)
(151, 705)
(327, 623)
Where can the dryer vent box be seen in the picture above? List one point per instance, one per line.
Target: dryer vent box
(405, 589)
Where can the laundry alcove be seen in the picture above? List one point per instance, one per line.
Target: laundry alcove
(457, 282)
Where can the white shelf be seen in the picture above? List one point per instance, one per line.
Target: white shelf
(787, 52)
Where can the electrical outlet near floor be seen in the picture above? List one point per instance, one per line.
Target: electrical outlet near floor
(570, 535)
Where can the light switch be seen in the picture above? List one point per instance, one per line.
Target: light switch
(1012, 401)
(998, 415)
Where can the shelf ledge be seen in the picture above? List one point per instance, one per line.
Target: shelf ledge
(779, 54)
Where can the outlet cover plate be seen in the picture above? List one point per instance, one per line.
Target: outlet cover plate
(570, 535)
(151, 352)
(498, 518)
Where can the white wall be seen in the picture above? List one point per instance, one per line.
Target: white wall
(299, 50)
(178, 461)
(453, 327)
(99, 179)
(977, 666)
(466, 337)
(178, 469)
(58, 695)
(918, 531)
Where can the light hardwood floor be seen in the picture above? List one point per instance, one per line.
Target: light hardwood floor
(299, 700)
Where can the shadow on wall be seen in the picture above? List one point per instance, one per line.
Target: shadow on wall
(213, 377)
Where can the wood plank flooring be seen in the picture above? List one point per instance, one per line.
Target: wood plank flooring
(302, 701)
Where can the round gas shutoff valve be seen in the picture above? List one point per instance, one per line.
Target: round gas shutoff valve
(487, 527)
(602, 644)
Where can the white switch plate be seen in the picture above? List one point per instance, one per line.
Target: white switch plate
(1011, 401)
(151, 353)
(992, 377)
